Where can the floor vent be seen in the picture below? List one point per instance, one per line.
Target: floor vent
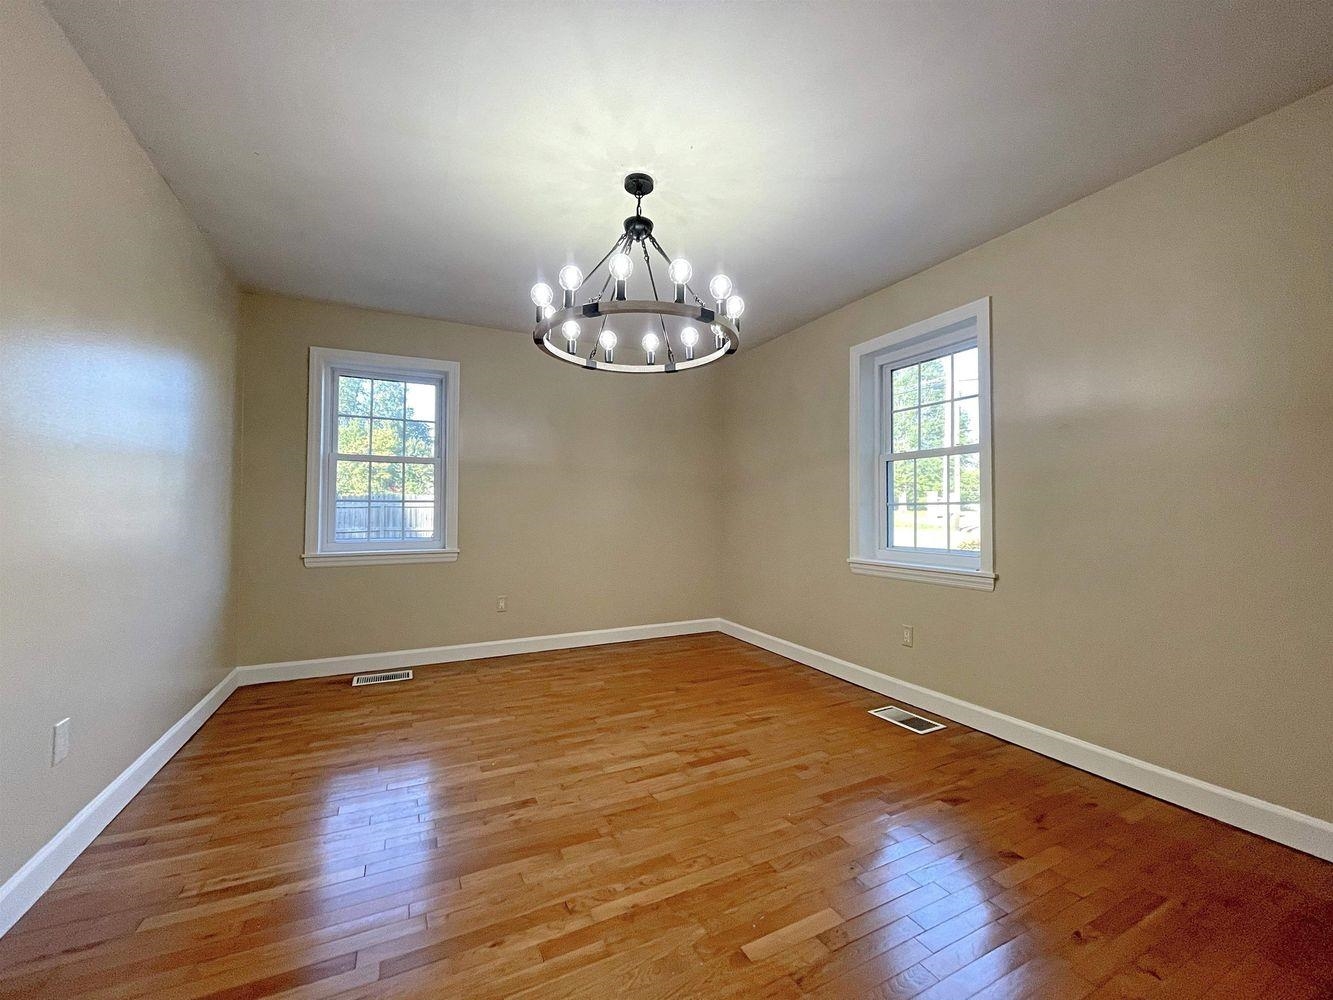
(361, 680)
(901, 717)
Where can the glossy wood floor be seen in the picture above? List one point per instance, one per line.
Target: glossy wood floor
(686, 817)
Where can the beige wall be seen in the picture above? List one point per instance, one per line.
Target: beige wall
(589, 500)
(1163, 411)
(116, 436)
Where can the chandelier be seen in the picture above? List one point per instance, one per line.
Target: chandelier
(591, 325)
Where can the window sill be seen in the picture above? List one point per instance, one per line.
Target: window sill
(969, 579)
(379, 558)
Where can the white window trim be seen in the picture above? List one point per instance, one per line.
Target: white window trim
(324, 363)
(868, 556)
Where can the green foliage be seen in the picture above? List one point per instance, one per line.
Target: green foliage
(354, 396)
(353, 480)
(419, 482)
(389, 399)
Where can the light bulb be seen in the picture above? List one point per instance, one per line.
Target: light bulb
(689, 336)
(679, 271)
(607, 339)
(541, 294)
(570, 277)
(621, 266)
(719, 287)
(719, 336)
(735, 306)
(570, 329)
(548, 312)
(651, 342)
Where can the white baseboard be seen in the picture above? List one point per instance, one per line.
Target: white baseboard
(291, 670)
(1286, 826)
(26, 885)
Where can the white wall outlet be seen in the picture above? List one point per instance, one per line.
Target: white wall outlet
(909, 635)
(502, 603)
(59, 741)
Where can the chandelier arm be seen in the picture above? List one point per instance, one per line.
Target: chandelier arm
(647, 262)
(597, 341)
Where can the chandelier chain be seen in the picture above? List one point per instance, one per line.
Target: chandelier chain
(671, 357)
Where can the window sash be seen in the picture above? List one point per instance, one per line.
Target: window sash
(884, 409)
(328, 541)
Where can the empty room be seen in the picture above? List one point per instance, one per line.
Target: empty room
(666, 498)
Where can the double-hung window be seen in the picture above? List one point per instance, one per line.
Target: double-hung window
(382, 459)
(920, 459)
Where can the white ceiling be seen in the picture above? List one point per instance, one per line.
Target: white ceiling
(437, 158)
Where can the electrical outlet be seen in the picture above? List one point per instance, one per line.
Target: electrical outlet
(59, 741)
(909, 635)
(502, 603)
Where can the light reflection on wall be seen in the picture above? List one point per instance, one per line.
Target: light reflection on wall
(109, 436)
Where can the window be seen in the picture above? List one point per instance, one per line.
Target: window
(382, 459)
(920, 452)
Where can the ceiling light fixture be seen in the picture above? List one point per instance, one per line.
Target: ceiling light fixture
(572, 319)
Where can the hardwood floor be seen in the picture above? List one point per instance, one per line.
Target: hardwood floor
(689, 817)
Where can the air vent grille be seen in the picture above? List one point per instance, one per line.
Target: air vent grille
(386, 677)
(906, 719)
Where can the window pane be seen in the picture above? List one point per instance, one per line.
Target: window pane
(966, 426)
(935, 380)
(902, 527)
(388, 437)
(930, 480)
(350, 521)
(904, 430)
(419, 520)
(964, 478)
(386, 481)
(353, 395)
(965, 373)
(935, 426)
(904, 386)
(902, 482)
(420, 401)
(386, 521)
(965, 528)
(420, 442)
(931, 527)
(353, 481)
(354, 435)
(419, 482)
(388, 399)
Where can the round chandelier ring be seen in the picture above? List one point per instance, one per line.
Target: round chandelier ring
(679, 347)
(541, 335)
